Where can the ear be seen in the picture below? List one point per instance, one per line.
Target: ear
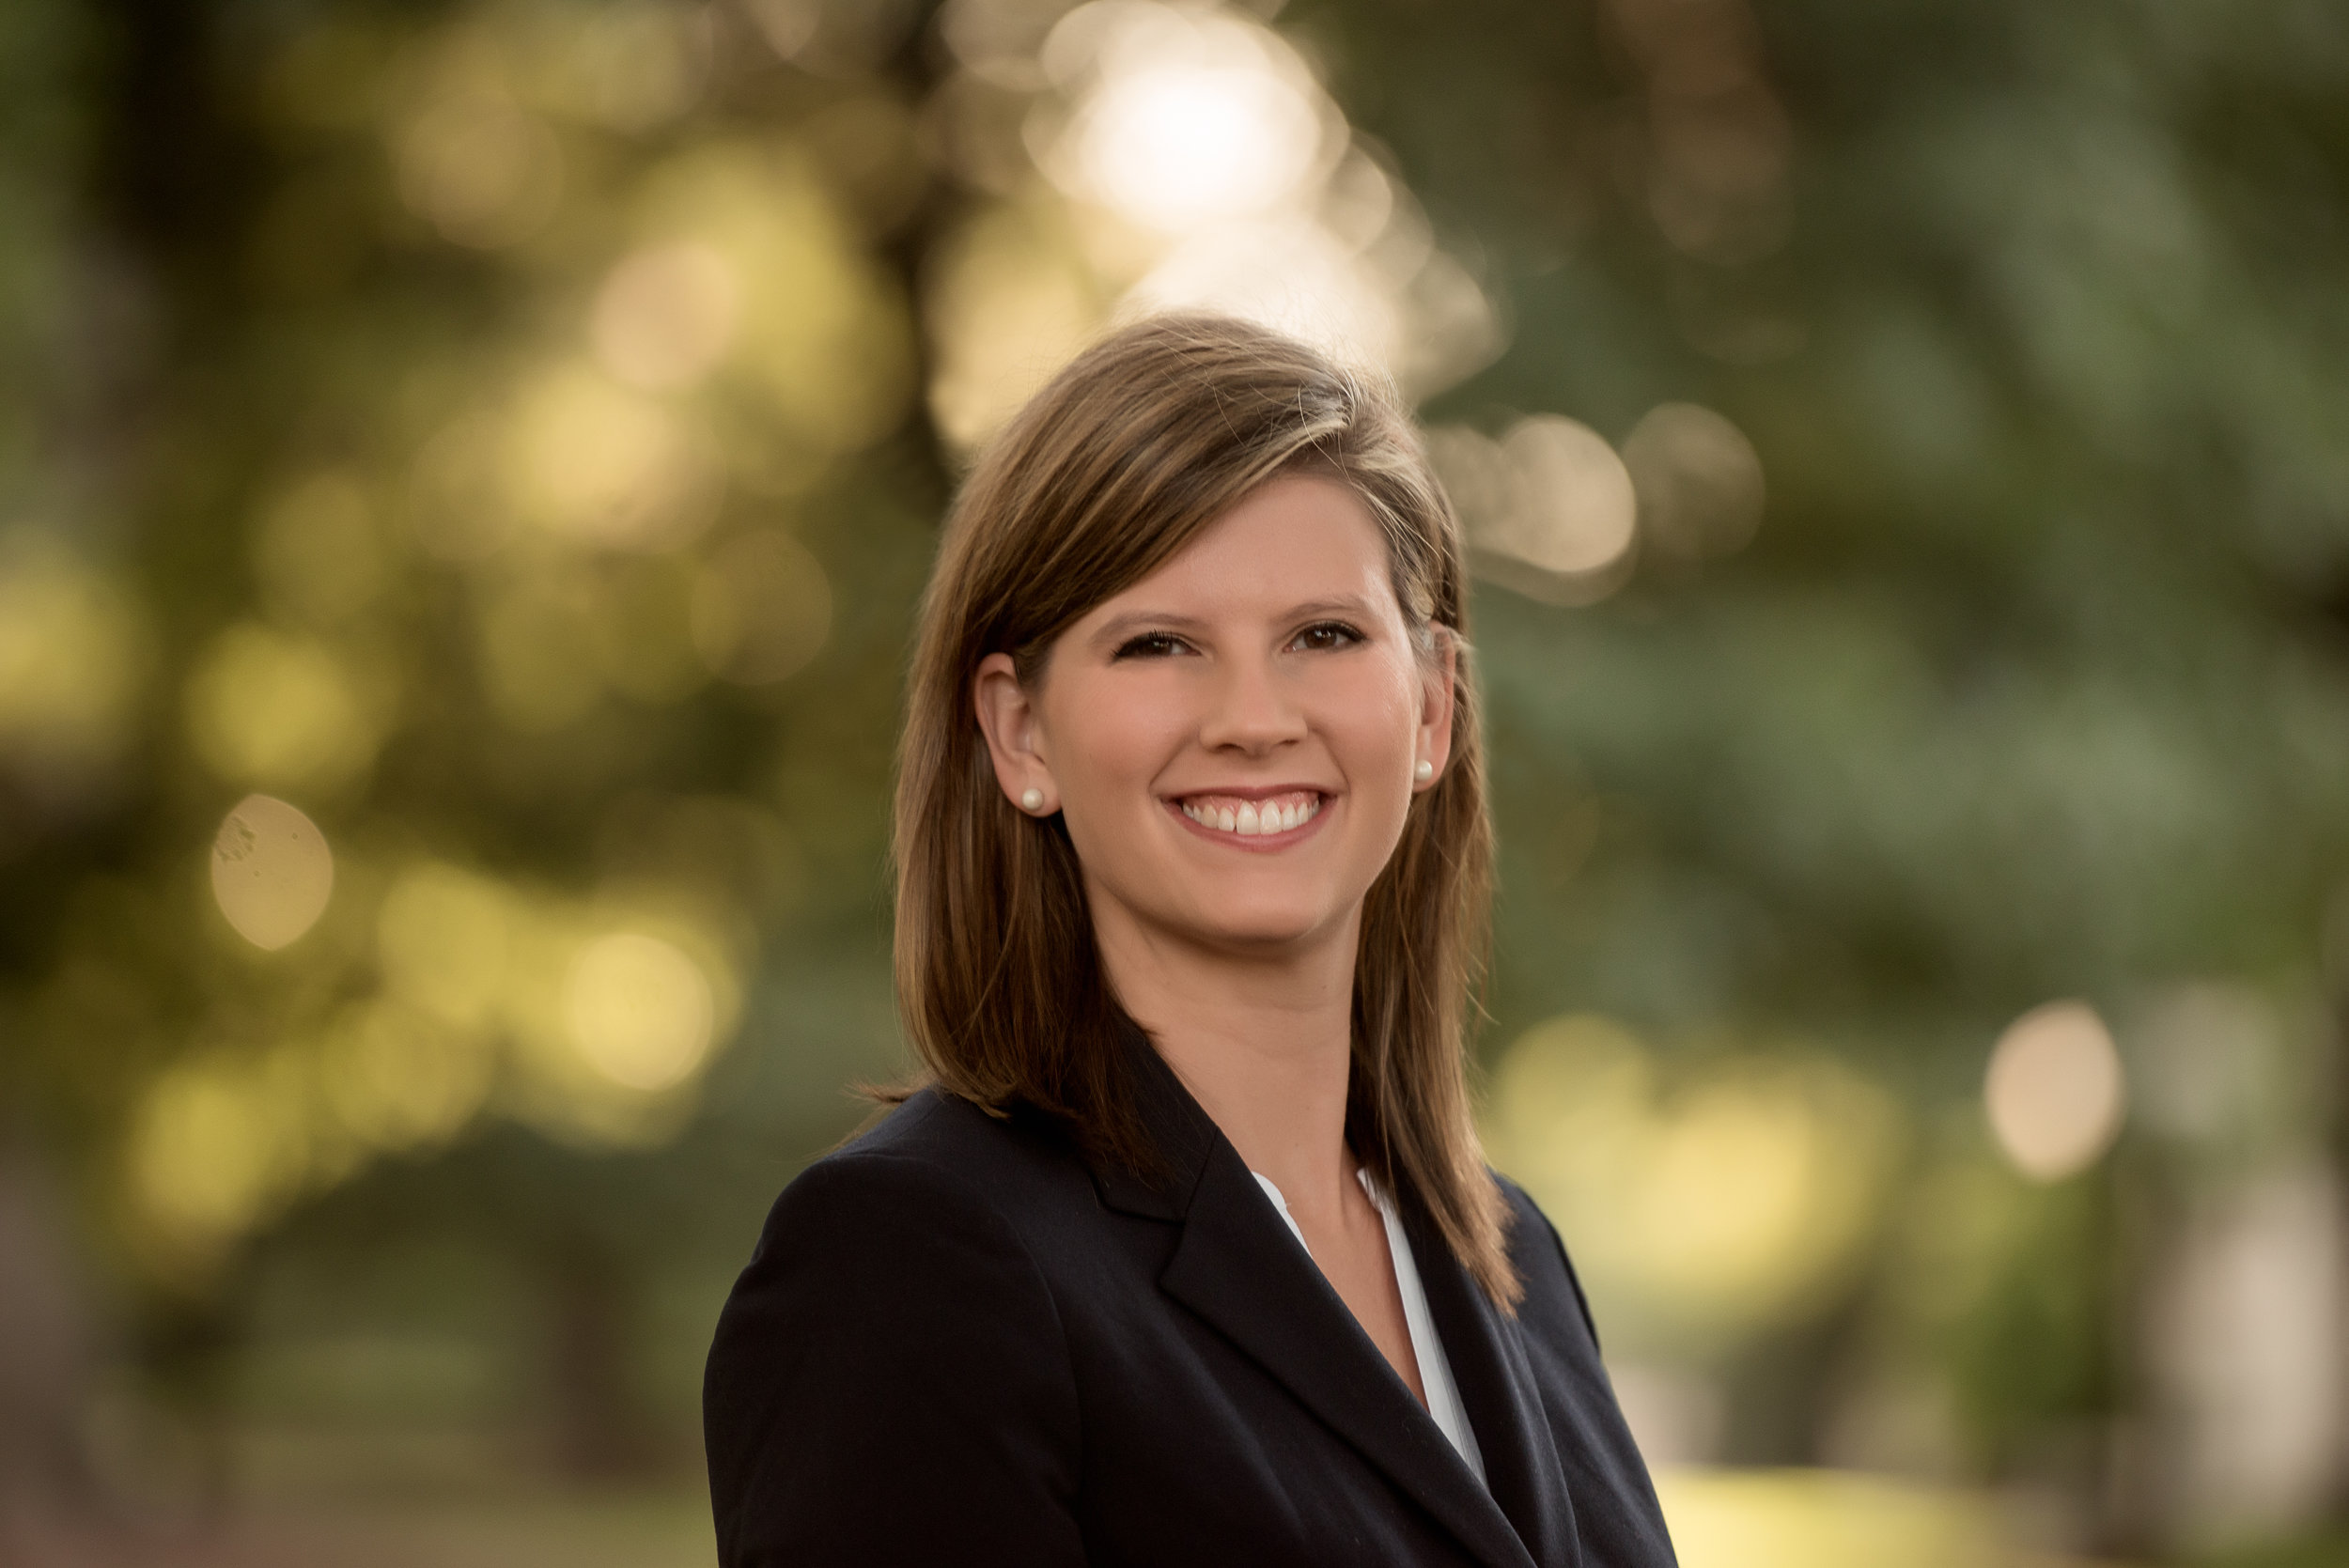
(1007, 717)
(1438, 678)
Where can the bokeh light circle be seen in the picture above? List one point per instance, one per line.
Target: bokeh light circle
(1699, 480)
(273, 871)
(639, 1010)
(2055, 1092)
(666, 314)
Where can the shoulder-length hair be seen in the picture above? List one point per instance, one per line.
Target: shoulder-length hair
(1126, 455)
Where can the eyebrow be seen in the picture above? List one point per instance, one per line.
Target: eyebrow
(1120, 628)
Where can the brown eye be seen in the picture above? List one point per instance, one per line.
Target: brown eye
(1326, 635)
(1150, 644)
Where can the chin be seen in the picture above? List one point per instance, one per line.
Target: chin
(1264, 927)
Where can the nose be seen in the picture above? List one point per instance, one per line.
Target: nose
(1250, 712)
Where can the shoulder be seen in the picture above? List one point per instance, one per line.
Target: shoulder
(893, 1308)
(891, 1248)
(1539, 1254)
(946, 1133)
(940, 1142)
(936, 1168)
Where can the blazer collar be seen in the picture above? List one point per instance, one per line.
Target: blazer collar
(1237, 1268)
(1179, 1128)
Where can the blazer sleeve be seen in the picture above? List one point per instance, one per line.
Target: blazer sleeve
(890, 1383)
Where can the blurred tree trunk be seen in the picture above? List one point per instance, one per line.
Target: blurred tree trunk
(49, 1492)
(598, 1426)
(914, 69)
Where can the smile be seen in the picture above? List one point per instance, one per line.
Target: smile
(1245, 817)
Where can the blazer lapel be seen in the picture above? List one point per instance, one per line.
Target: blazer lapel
(1487, 1352)
(1238, 1268)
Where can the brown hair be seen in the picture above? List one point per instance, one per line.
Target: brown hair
(1133, 449)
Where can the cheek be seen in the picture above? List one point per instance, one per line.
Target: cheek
(1373, 720)
(1110, 734)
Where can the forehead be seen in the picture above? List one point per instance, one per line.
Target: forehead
(1300, 537)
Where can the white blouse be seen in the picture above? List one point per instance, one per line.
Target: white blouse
(1435, 1371)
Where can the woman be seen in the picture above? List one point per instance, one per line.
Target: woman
(1187, 1254)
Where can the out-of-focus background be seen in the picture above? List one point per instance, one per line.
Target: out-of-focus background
(466, 470)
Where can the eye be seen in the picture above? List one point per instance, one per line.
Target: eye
(1150, 644)
(1323, 635)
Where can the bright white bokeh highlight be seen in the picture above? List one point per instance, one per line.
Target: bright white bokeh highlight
(1294, 276)
(1190, 159)
(1213, 133)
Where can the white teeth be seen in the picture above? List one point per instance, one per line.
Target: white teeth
(1256, 819)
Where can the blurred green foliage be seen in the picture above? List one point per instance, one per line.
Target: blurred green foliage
(513, 433)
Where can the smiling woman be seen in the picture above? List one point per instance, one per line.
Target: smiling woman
(1186, 1252)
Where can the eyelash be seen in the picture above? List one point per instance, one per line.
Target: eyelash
(1161, 645)
(1150, 644)
(1349, 635)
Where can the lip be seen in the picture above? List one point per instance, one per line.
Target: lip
(1257, 844)
(1251, 792)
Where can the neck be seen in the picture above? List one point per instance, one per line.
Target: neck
(1264, 1042)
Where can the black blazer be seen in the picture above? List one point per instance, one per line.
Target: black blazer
(957, 1344)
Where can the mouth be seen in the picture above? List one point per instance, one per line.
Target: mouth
(1253, 817)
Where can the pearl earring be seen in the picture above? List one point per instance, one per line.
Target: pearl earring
(1424, 771)
(1032, 799)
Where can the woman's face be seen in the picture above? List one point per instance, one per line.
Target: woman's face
(1233, 740)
